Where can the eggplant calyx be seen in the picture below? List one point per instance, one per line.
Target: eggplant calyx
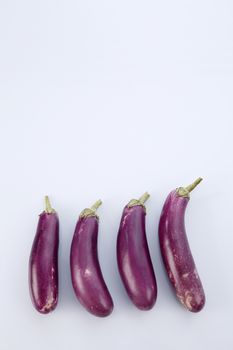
(184, 191)
(139, 201)
(88, 212)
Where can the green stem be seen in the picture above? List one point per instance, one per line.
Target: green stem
(48, 207)
(91, 211)
(144, 197)
(184, 191)
(96, 205)
(191, 187)
(139, 201)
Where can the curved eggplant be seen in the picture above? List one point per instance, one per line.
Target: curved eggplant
(176, 252)
(133, 256)
(86, 275)
(43, 262)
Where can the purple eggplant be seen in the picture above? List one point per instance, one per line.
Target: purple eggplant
(86, 275)
(43, 263)
(133, 255)
(175, 250)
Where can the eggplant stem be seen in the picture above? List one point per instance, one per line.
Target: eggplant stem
(91, 211)
(48, 207)
(184, 191)
(96, 205)
(144, 197)
(139, 201)
(191, 187)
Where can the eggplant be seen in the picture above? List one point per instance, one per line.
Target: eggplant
(43, 262)
(87, 279)
(133, 257)
(175, 250)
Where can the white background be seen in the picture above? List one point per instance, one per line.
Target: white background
(107, 99)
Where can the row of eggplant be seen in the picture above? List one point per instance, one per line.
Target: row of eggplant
(133, 257)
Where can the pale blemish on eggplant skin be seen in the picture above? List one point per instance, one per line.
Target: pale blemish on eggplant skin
(176, 253)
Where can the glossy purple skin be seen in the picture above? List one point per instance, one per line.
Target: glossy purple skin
(134, 260)
(43, 264)
(176, 253)
(86, 275)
